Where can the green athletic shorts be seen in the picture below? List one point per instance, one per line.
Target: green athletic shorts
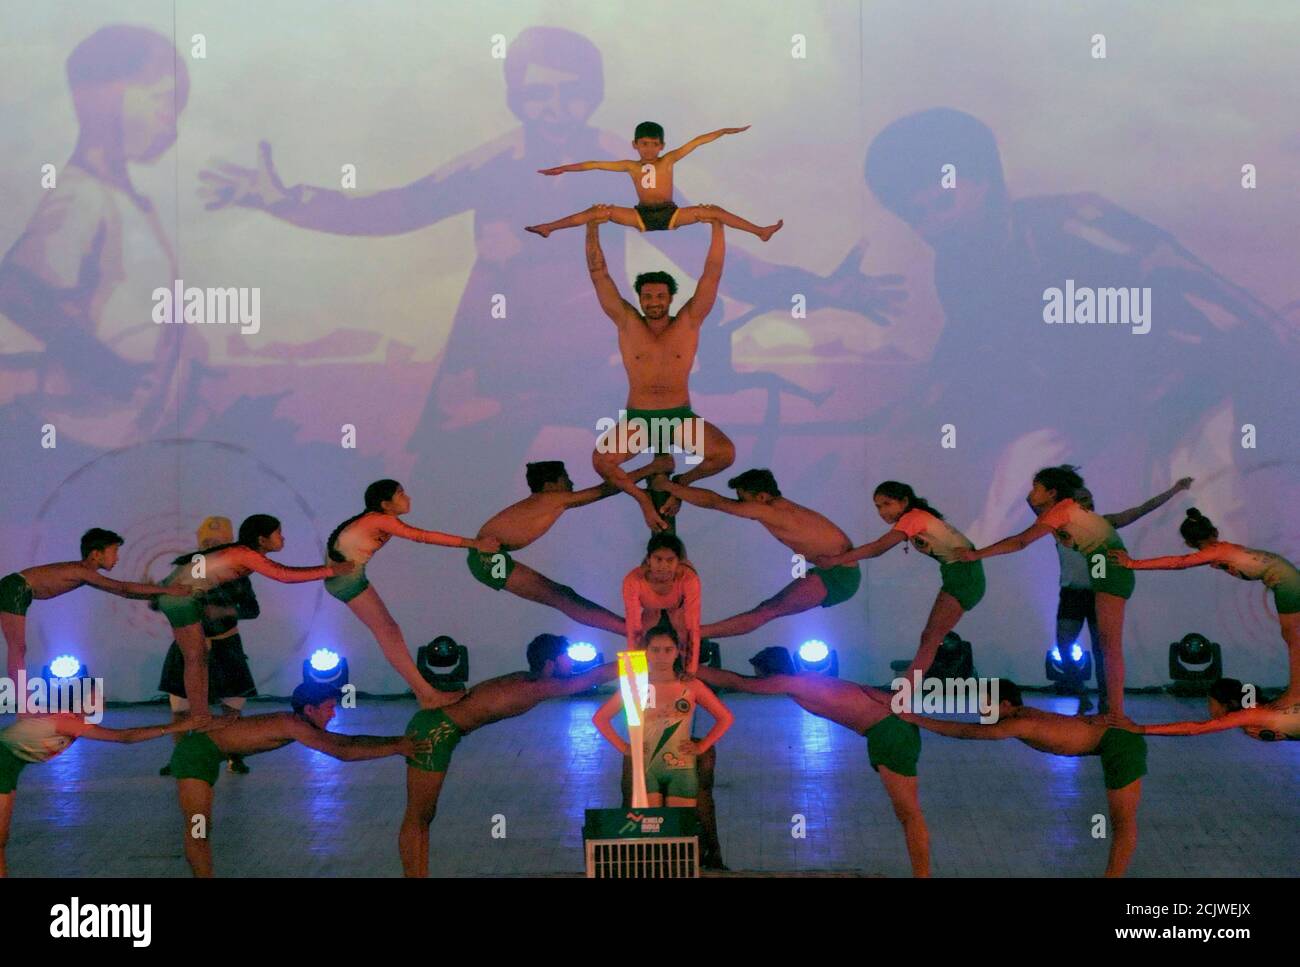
(894, 744)
(1286, 596)
(964, 580)
(436, 725)
(181, 612)
(1123, 757)
(841, 582)
(671, 781)
(1118, 581)
(15, 594)
(660, 444)
(345, 587)
(10, 766)
(197, 757)
(486, 567)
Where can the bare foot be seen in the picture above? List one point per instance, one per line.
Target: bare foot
(544, 232)
(437, 698)
(766, 233)
(652, 518)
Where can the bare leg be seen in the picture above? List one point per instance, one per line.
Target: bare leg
(1123, 826)
(614, 213)
(534, 586)
(902, 792)
(422, 789)
(194, 648)
(705, 809)
(717, 451)
(654, 799)
(610, 467)
(1291, 635)
(370, 608)
(196, 813)
(943, 618)
(694, 213)
(799, 595)
(1110, 631)
(6, 816)
(14, 629)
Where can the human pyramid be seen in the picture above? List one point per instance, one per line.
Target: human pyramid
(662, 596)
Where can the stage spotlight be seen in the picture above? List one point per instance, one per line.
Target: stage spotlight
(64, 667)
(816, 656)
(1079, 659)
(584, 656)
(1195, 663)
(326, 667)
(444, 664)
(954, 659)
(710, 654)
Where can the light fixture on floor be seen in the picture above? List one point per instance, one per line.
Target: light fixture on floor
(1079, 660)
(816, 656)
(325, 667)
(444, 663)
(1195, 663)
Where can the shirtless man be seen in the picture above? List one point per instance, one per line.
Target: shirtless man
(658, 351)
(17, 591)
(525, 521)
(197, 758)
(652, 176)
(893, 747)
(1123, 755)
(804, 531)
(549, 675)
(1274, 721)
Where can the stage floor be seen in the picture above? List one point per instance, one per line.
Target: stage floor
(1217, 805)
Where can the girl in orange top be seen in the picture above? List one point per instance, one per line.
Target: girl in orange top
(664, 581)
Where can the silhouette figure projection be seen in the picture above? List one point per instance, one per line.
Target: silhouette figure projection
(1025, 393)
(77, 344)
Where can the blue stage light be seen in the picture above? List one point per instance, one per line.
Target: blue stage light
(582, 652)
(813, 651)
(1076, 653)
(326, 666)
(324, 660)
(65, 666)
(815, 656)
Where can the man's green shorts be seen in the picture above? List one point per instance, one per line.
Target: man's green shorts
(662, 443)
(1118, 581)
(841, 582)
(10, 766)
(433, 724)
(345, 587)
(1123, 757)
(494, 570)
(15, 594)
(181, 612)
(197, 757)
(894, 744)
(678, 782)
(964, 580)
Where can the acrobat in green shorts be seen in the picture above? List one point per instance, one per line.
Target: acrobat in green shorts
(1123, 757)
(15, 594)
(345, 587)
(197, 757)
(894, 744)
(435, 725)
(494, 569)
(841, 582)
(10, 766)
(964, 580)
(1114, 579)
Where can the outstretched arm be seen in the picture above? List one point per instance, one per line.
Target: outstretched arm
(873, 549)
(767, 685)
(699, 305)
(1008, 545)
(586, 166)
(677, 154)
(263, 565)
(580, 498)
(1175, 562)
(613, 304)
(1240, 719)
(1126, 517)
(1003, 729)
(710, 500)
(76, 727)
(128, 589)
(350, 748)
(399, 528)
